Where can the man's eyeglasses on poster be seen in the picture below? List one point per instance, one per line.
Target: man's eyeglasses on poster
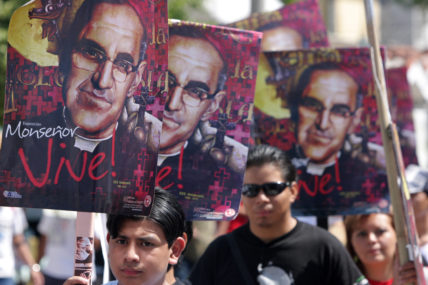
(90, 58)
(193, 93)
(338, 111)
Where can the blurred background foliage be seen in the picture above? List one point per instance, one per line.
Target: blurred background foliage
(181, 9)
(6, 9)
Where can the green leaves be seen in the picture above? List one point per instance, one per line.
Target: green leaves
(179, 9)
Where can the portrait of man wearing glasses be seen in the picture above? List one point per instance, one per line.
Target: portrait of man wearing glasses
(189, 161)
(326, 104)
(326, 107)
(103, 63)
(101, 60)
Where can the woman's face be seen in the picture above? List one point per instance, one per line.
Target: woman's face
(374, 239)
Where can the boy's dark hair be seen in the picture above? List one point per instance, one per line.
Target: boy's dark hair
(260, 155)
(166, 212)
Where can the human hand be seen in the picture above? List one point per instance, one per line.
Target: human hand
(405, 274)
(76, 280)
(144, 130)
(37, 277)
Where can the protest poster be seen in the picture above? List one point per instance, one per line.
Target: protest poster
(294, 26)
(206, 124)
(401, 107)
(84, 92)
(331, 132)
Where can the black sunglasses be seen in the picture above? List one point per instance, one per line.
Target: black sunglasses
(270, 189)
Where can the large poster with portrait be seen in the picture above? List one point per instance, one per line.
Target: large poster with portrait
(86, 82)
(294, 26)
(331, 131)
(206, 124)
(401, 107)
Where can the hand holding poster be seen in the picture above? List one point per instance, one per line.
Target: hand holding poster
(208, 111)
(331, 133)
(73, 138)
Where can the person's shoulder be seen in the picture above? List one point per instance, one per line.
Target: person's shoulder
(222, 242)
(315, 233)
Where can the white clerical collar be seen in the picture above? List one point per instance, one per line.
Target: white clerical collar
(163, 156)
(84, 143)
(318, 169)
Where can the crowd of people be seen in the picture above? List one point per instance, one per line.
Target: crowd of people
(272, 248)
(266, 244)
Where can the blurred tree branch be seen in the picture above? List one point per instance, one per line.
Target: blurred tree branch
(179, 9)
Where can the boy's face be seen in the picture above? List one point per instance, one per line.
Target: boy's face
(140, 253)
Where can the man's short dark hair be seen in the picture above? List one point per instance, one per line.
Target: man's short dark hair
(260, 155)
(166, 212)
(304, 80)
(83, 16)
(195, 33)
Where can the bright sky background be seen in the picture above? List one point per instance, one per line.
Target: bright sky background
(236, 9)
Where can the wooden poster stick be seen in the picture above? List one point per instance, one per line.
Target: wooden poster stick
(84, 245)
(397, 184)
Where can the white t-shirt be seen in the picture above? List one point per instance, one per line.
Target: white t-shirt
(59, 228)
(12, 222)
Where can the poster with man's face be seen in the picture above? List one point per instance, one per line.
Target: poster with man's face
(331, 134)
(401, 107)
(206, 122)
(293, 27)
(86, 82)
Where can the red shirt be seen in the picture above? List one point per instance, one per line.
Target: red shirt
(388, 282)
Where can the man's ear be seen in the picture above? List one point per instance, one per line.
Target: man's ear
(356, 120)
(137, 79)
(108, 237)
(294, 190)
(215, 103)
(176, 249)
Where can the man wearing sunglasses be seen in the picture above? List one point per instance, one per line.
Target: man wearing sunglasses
(192, 154)
(274, 248)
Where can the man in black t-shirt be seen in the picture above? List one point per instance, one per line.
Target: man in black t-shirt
(274, 246)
